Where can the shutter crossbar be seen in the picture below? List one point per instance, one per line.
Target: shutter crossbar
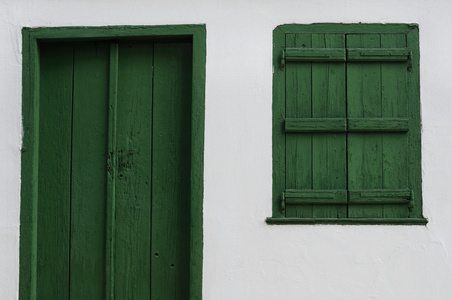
(314, 54)
(305, 197)
(342, 55)
(378, 124)
(378, 54)
(298, 197)
(380, 197)
(315, 124)
(343, 125)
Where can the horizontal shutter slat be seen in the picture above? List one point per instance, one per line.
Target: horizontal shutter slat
(378, 54)
(378, 124)
(315, 196)
(315, 124)
(315, 54)
(380, 197)
(342, 124)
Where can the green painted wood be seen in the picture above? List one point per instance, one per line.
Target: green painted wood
(380, 197)
(111, 173)
(328, 149)
(298, 104)
(29, 195)
(315, 197)
(390, 153)
(343, 124)
(314, 54)
(347, 221)
(377, 200)
(133, 171)
(171, 138)
(29, 169)
(127, 73)
(365, 159)
(318, 158)
(385, 194)
(315, 125)
(35, 90)
(197, 160)
(176, 32)
(370, 28)
(414, 140)
(396, 159)
(378, 54)
(378, 124)
(279, 114)
(89, 170)
(383, 139)
(55, 107)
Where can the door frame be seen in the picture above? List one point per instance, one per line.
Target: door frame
(31, 37)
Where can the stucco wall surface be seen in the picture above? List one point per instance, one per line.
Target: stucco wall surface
(244, 258)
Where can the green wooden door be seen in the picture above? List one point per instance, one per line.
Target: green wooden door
(114, 170)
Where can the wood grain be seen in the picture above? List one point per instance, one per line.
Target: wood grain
(298, 104)
(329, 170)
(364, 149)
(82, 140)
(133, 171)
(171, 139)
(89, 170)
(55, 171)
(380, 115)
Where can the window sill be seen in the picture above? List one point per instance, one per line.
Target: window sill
(345, 221)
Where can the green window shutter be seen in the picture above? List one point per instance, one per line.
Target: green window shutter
(315, 138)
(346, 124)
(377, 159)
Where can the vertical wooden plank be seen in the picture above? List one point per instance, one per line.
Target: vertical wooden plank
(133, 174)
(55, 113)
(35, 91)
(298, 105)
(197, 161)
(171, 171)
(29, 166)
(365, 164)
(89, 179)
(279, 113)
(111, 169)
(329, 157)
(394, 104)
(414, 134)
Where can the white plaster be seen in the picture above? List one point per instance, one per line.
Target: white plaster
(243, 257)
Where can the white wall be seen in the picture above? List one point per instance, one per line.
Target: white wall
(244, 258)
